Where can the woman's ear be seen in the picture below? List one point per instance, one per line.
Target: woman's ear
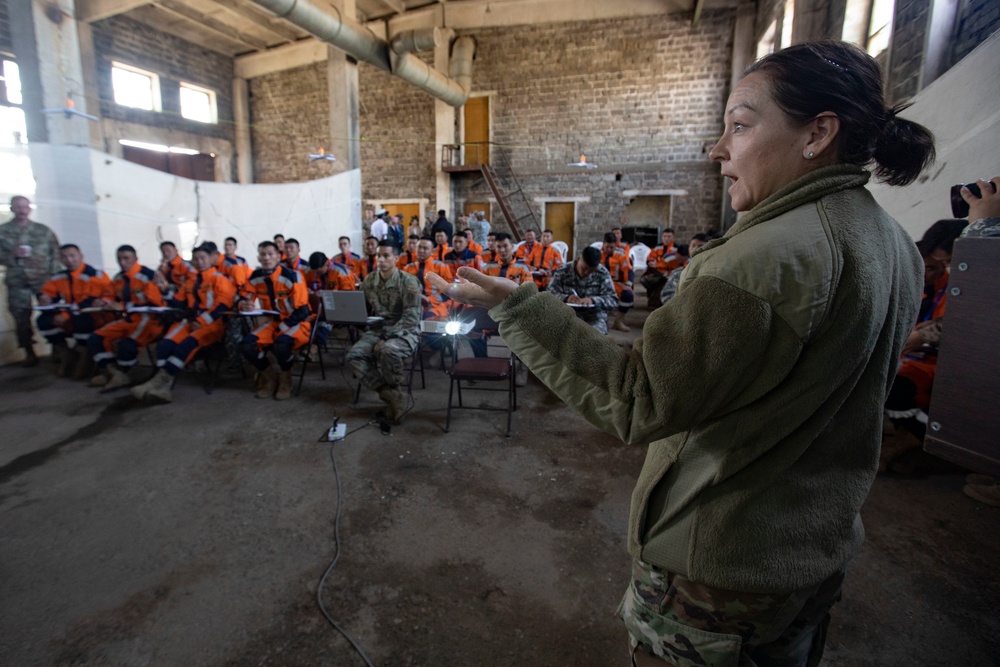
(823, 130)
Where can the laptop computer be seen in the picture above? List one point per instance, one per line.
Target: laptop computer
(344, 306)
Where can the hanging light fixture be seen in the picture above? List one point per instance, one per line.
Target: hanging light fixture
(582, 164)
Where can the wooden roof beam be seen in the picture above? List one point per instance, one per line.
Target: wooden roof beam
(89, 11)
(182, 10)
(251, 13)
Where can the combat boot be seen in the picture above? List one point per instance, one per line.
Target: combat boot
(395, 404)
(156, 388)
(117, 378)
(267, 380)
(284, 386)
(64, 358)
(101, 378)
(84, 365)
(619, 323)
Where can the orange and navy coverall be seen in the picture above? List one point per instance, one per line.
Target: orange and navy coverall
(620, 268)
(468, 257)
(543, 257)
(522, 252)
(135, 287)
(349, 260)
(237, 270)
(283, 290)
(177, 272)
(75, 288)
(517, 271)
(475, 247)
(206, 299)
(364, 266)
(337, 277)
(663, 260)
(920, 368)
(440, 252)
(406, 257)
(437, 303)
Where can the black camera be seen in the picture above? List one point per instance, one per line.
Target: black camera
(960, 207)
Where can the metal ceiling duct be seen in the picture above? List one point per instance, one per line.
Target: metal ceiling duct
(330, 26)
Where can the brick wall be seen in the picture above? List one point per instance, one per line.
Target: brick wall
(977, 20)
(6, 44)
(909, 28)
(173, 59)
(288, 116)
(642, 98)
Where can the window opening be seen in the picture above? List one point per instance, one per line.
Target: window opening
(198, 103)
(135, 88)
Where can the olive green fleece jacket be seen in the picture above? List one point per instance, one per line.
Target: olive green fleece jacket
(760, 385)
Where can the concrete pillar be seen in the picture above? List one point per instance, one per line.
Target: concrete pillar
(444, 132)
(342, 82)
(88, 64)
(241, 120)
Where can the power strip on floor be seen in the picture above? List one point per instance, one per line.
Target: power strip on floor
(337, 432)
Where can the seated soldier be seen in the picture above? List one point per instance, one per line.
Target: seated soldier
(434, 303)
(346, 257)
(366, 264)
(281, 289)
(120, 340)
(410, 254)
(585, 282)
(173, 271)
(205, 301)
(523, 251)
(292, 259)
(490, 254)
(473, 246)
(462, 255)
(441, 247)
(659, 264)
(380, 356)
(543, 260)
(618, 265)
(684, 256)
(79, 285)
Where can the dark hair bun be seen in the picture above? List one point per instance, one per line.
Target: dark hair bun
(902, 150)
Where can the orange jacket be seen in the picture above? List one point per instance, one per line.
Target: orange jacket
(663, 260)
(419, 269)
(136, 286)
(475, 247)
(523, 251)
(517, 271)
(283, 290)
(620, 268)
(406, 257)
(237, 270)
(468, 258)
(440, 251)
(337, 277)
(79, 287)
(364, 266)
(177, 271)
(544, 257)
(349, 260)
(210, 295)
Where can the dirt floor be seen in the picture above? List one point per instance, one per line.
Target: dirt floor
(195, 534)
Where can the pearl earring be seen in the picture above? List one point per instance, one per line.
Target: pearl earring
(811, 155)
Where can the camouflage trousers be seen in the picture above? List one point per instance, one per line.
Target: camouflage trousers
(19, 305)
(685, 623)
(386, 367)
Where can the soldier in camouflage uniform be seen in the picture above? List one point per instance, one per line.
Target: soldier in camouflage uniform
(676, 621)
(380, 355)
(586, 279)
(30, 251)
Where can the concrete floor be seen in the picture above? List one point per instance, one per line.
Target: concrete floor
(195, 534)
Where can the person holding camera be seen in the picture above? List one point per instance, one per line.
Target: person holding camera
(760, 384)
(983, 201)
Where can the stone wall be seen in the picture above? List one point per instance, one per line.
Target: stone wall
(907, 54)
(977, 20)
(174, 60)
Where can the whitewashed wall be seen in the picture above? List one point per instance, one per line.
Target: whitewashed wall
(962, 109)
(100, 202)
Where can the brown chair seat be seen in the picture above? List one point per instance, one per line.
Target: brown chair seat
(476, 368)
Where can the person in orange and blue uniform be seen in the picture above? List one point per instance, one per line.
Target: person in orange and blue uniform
(434, 303)
(523, 251)
(544, 259)
(660, 262)
(173, 269)
(233, 266)
(345, 256)
(283, 290)
(462, 255)
(620, 267)
(441, 247)
(409, 256)
(292, 259)
(205, 300)
(119, 341)
(473, 246)
(369, 262)
(79, 285)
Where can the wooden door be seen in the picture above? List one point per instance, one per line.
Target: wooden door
(407, 211)
(477, 130)
(560, 217)
(471, 207)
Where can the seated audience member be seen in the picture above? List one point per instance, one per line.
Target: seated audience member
(292, 259)
(473, 246)
(346, 257)
(616, 261)
(543, 260)
(380, 356)
(79, 285)
(625, 248)
(462, 255)
(506, 266)
(205, 302)
(490, 254)
(523, 251)
(660, 263)
(585, 282)
(441, 247)
(173, 271)
(279, 240)
(367, 264)
(326, 274)
(434, 303)
(410, 255)
(283, 290)
(235, 267)
(230, 246)
(115, 346)
(684, 255)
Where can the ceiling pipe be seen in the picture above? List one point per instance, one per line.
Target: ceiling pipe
(414, 41)
(330, 26)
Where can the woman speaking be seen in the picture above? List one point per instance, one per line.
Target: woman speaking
(760, 385)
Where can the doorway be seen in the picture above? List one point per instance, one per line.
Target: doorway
(476, 116)
(560, 217)
(199, 167)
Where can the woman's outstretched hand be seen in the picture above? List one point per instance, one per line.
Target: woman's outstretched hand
(474, 287)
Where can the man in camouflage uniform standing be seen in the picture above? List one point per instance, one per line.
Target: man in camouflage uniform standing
(586, 283)
(380, 355)
(30, 251)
